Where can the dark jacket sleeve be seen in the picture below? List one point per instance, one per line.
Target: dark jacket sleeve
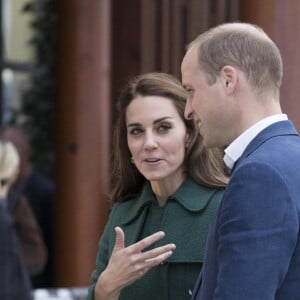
(34, 251)
(14, 280)
(4, 251)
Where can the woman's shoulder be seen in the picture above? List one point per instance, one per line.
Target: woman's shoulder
(196, 197)
(125, 202)
(130, 206)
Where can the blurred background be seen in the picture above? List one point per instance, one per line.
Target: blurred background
(62, 66)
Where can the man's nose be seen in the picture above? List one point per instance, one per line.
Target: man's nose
(188, 112)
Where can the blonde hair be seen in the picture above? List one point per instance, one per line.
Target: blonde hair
(9, 160)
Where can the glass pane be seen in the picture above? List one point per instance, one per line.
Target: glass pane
(16, 32)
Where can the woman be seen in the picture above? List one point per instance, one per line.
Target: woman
(165, 191)
(14, 279)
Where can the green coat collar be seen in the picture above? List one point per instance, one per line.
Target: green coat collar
(188, 214)
(190, 196)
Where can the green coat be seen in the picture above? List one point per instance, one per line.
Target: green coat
(185, 219)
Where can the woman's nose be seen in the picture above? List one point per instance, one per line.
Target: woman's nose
(150, 141)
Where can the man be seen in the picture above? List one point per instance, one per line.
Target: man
(233, 75)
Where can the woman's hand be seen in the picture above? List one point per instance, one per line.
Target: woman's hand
(128, 264)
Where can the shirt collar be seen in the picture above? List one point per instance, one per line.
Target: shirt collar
(234, 151)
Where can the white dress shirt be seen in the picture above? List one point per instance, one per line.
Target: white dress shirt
(235, 150)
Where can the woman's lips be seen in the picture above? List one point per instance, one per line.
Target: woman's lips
(152, 161)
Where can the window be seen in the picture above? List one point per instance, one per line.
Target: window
(17, 55)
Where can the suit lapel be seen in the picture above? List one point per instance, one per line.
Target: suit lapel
(281, 128)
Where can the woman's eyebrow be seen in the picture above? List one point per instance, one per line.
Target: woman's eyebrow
(155, 122)
(161, 119)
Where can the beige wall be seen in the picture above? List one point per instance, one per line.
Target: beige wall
(17, 31)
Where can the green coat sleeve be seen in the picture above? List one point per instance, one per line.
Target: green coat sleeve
(103, 254)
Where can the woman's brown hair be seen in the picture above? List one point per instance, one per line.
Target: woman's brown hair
(203, 165)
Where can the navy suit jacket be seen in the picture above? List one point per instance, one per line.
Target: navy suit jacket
(253, 250)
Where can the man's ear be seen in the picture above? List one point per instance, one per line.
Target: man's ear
(229, 78)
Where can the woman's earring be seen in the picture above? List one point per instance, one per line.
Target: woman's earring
(132, 160)
(187, 143)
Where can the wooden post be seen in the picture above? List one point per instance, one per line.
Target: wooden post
(83, 136)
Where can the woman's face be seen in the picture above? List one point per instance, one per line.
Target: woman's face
(156, 137)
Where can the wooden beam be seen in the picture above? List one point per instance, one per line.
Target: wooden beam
(83, 136)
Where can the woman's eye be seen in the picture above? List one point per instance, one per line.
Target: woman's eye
(164, 127)
(135, 131)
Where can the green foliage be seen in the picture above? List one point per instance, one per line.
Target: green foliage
(39, 98)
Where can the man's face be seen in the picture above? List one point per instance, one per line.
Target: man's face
(206, 104)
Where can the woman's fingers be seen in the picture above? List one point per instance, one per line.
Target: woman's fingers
(156, 256)
(120, 239)
(143, 264)
(128, 264)
(154, 261)
(146, 242)
(159, 252)
(151, 257)
(134, 254)
(148, 259)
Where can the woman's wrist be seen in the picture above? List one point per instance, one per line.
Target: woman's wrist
(104, 289)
